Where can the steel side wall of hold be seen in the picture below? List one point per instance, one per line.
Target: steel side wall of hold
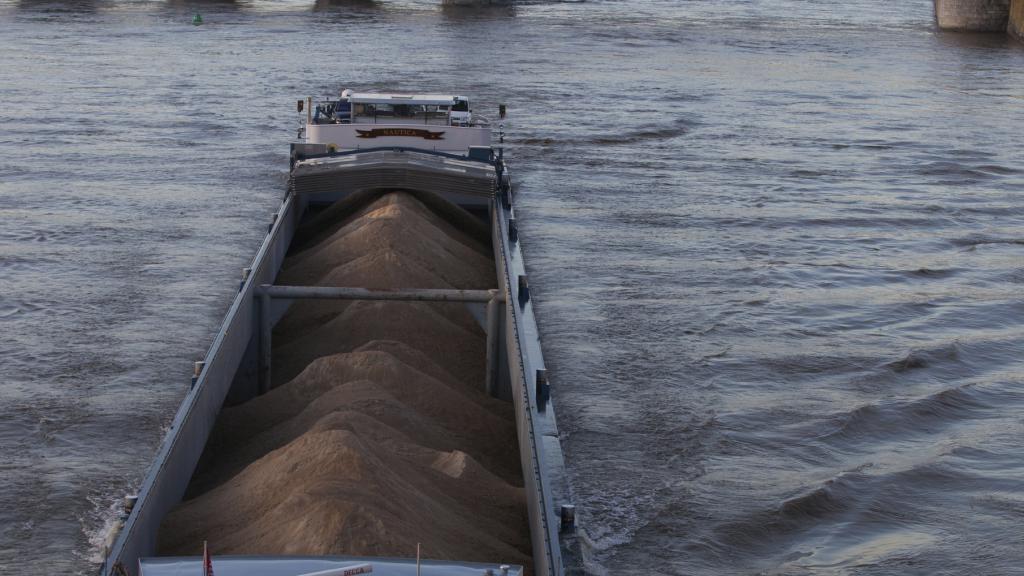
(544, 536)
(502, 385)
(1015, 25)
(169, 476)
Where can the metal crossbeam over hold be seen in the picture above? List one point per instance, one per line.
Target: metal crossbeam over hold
(268, 292)
(418, 294)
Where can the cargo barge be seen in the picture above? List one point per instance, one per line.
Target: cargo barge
(376, 399)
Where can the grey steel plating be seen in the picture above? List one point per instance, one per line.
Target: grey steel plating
(232, 367)
(283, 566)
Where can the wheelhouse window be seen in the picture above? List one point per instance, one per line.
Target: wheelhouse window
(365, 113)
(391, 109)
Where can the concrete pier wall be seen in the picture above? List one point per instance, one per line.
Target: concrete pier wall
(1016, 25)
(973, 15)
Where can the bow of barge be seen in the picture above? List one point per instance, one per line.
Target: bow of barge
(377, 387)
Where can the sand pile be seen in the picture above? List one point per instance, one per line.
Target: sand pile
(377, 434)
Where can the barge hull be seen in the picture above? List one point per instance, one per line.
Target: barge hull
(231, 367)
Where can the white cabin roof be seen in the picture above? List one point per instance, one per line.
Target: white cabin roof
(426, 99)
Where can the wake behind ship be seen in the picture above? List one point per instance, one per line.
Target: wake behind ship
(376, 400)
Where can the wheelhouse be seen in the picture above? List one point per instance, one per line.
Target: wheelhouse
(355, 121)
(428, 109)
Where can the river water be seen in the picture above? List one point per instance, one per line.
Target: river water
(777, 247)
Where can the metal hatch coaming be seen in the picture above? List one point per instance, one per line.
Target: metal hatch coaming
(463, 181)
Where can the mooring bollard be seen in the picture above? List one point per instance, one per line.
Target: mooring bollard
(197, 369)
(542, 389)
(568, 516)
(246, 272)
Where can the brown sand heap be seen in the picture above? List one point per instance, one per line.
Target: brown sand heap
(377, 435)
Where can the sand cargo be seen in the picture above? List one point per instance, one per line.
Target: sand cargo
(376, 400)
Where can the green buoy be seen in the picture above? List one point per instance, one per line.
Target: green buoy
(197, 20)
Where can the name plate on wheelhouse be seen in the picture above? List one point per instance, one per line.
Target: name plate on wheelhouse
(408, 132)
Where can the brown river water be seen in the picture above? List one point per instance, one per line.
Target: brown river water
(777, 249)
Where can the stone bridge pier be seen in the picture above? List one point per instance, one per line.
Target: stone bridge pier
(981, 16)
(1016, 22)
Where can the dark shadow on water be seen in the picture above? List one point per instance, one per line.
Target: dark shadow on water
(983, 40)
(467, 10)
(347, 6)
(203, 7)
(68, 6)
(195, 4)
(974, 63)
